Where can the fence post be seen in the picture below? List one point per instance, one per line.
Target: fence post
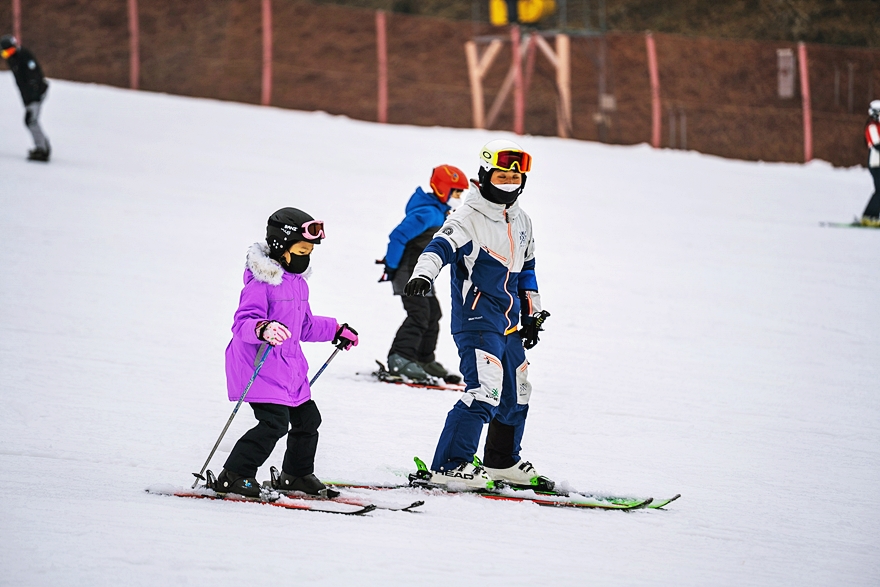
(16, 19)
(382, 54)
(805, 99)
(518, 97)
(563, 82)
(655, 90)
(134, 63)
(475, 77)
(266, 94)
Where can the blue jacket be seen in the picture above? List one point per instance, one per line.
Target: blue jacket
(423, 211)
(492, 253)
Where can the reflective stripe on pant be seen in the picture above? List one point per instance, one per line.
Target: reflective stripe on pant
(497, 392)
(32, 121)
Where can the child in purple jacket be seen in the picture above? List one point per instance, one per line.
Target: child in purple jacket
(274, 310)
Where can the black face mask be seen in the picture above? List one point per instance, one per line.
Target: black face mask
(298, 263)
(498, 196)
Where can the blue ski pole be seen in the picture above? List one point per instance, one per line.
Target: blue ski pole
(339, 347)
(201, 474)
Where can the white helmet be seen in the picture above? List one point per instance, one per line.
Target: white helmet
(504, 154)
(874, 109)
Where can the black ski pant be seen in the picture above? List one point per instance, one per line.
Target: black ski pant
(416, 338)
(872, 210)
(252, 449)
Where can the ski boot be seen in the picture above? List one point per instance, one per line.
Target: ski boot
(467, 476)
(38, 155)
(436, 369)
(522, 475)
(231, 482)
(401, 366)
(309, 484)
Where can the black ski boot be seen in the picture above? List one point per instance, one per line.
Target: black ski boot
(309, 484)
(38, 155)
(231, 482)
(436, 369)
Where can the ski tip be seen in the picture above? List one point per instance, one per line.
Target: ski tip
(664, 502)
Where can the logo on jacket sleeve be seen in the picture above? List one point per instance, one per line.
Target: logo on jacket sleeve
(523, 238)
(447, 231)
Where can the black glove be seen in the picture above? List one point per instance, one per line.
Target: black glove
(531, 326)
(417, 286)
(388, 275)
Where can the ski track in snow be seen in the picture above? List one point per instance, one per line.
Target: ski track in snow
(707, 337)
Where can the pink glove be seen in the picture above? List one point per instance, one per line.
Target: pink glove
(272, 332)
(346, 337)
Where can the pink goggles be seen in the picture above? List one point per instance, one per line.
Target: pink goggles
(311, 230)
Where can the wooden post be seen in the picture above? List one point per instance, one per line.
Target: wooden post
(16, 19)
(519, 109)
(563, 83)
(382, 54)
(477, 67)
(656, 113)
(805, 100)
(134, 61)
(266, 94)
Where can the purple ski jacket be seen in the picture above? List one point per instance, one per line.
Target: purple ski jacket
(271, 293)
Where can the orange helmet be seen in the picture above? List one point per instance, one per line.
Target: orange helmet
(446, 178)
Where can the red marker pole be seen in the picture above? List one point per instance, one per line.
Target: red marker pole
(805, 101)
(16, 19)
(266, 94)
(655, 90)
(134, 64)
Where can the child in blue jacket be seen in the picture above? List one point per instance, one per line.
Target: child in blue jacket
(412, 352)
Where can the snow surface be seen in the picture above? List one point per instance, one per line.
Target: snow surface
(707, 337)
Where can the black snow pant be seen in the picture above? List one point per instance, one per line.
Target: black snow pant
(416, 338)
(872, 210)
(255, 446)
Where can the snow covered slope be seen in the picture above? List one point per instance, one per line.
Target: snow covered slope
(707, 337)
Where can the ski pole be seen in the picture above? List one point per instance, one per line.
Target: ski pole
(201, 474)
(327, 362)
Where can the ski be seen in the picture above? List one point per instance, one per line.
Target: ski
(276, 500)
(542, 495)
(331, 495)
(854, 224)
(570, 501)
(382, 374)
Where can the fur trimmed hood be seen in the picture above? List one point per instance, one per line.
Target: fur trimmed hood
(264, 268)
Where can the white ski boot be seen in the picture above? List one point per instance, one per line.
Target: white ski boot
(465, 477)
(522, 474)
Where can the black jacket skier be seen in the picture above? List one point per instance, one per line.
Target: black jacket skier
(28, 75)
(33, 86)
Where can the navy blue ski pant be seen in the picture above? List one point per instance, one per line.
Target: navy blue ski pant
(495, 373)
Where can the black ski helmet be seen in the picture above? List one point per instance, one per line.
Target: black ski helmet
(8, 41)
(284, 228)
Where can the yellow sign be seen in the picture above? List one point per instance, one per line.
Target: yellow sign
(528, 11)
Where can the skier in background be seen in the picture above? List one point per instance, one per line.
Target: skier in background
(33, 86)
(274, 310)
(412, 351)
(871, 215)
(490, 246)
